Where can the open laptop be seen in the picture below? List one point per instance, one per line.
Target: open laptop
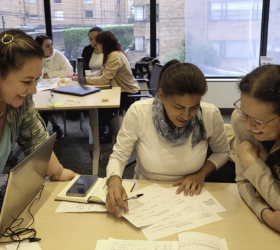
(24, 182)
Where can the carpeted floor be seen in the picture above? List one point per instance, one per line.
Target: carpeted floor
(73, 150)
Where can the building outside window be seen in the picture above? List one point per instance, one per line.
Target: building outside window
(139, 44)
(58, 14)
(147, 13)
(139, 13)
(88, 14)
(148, 46)
(31, 16)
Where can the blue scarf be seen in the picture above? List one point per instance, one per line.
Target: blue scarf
(178, 135)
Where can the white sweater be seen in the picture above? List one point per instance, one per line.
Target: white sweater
(156, 158)
(57, 65)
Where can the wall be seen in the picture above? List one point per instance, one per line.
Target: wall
(222, 93)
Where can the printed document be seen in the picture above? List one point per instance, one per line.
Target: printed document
(73, 207)
(193, 214)
(156, 204)
(200, 241)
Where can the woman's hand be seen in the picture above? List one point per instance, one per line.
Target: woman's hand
(271, 218)
(115, 196)
(190, 183)
(247, 154)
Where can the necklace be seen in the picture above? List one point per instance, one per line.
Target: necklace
(1, 114)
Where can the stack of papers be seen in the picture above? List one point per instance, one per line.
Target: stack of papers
(186, 241)
(160, 212)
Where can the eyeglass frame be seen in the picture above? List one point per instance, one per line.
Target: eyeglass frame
(252, 119)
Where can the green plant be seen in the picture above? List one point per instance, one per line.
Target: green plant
(77, 38)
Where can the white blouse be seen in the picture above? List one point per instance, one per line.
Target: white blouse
(158, 159)
(96, 62)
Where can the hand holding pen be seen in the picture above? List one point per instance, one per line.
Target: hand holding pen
(134, 197)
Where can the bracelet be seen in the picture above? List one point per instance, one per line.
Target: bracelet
(57, 175)
(111, 176)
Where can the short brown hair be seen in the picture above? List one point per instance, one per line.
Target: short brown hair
(15, 48)
(182, 78)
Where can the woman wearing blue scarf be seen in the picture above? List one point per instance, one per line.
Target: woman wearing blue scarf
(171, 133)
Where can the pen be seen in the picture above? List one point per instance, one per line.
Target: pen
(134, 197)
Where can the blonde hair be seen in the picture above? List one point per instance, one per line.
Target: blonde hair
(15, 48)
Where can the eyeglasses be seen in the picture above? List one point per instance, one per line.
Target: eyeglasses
(259, 124)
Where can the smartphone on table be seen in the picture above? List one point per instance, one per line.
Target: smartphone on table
(82, 186)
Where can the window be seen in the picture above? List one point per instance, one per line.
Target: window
(148, 46)
(118, 2)
(88, 1)
(147, 13)
(236, 10)
(33, 16)
(139, 13)
(273, 39)
(58, 14)
(30, 1)
(88, 14)
(139, 44)
(57, 1)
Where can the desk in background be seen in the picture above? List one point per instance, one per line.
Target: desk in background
(91, 102)
(71, 231)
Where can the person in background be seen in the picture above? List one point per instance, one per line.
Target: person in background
(171, 133)
(256, 126)
(93, 58)
(115, 71)
(21, 64)
(55, 65)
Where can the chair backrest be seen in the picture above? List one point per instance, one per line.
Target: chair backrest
(154, 78)
(73, 63)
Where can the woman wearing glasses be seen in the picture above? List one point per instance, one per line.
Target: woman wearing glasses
(256, 125)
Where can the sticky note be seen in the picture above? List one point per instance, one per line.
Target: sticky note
(105, 100)
(56, 104)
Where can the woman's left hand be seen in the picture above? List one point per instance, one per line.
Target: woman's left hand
(191, 184)
(247, 154)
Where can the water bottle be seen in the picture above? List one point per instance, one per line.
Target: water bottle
(81, 71)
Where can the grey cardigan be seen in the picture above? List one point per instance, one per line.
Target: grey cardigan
(258, 175)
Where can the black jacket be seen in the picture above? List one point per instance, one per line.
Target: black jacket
(87, 52)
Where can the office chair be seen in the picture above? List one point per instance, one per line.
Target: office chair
(116, 122)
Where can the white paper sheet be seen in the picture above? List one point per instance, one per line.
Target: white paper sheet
(194, 214)
(73, 207)
(24, 245)
(101, 245)
(116, 244)
(207, 200)
(199, 241)
(158, 203)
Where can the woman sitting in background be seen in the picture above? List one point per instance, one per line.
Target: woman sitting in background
(171, 133)
(93, 58)
(21, 64)
(116, 69)
(256, 125)
(55, 65)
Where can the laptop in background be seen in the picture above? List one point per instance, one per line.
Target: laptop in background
(24, 182)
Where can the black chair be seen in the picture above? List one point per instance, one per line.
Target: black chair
(73, 64)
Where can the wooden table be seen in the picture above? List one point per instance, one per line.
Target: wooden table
(71, 231)
(91, 102)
